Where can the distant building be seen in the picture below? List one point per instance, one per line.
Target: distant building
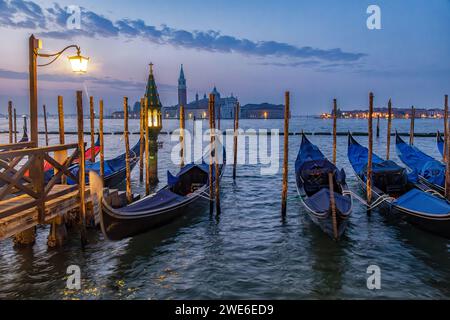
(199, 107)
(399, 113)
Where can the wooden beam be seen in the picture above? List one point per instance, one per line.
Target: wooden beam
(411, 129)
(10, 121)
(182, 142)
(127, 151)
(370, 150)
(389, 126)
(447, 152)
(211, 154)
(141, 137)
(334, 130)
(45, 124)
(15, 126)
(285, 154)
(81, 171)
(235, 142)
(30, 151)
(147, 162)
(92, 118)
(102, 142)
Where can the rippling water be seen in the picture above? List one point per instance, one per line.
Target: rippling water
(249, 252)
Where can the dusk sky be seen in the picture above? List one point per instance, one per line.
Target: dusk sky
(319, 50)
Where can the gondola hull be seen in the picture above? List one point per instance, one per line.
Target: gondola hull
(117, 228)
(311, 166)
(325, 221)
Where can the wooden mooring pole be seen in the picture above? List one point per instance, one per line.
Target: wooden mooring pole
(334, 129)
(333, 206)
(10, 121)
(127, 150)
(92, 118)
(182, 144)
(445, 126)
(216, 157)
(102, 141)
(62, 139)
(15, 126)
(141, 137)
(389, 127)
(211, 146)
(370, 150)
(235, 142)
(81, 171)
(411, 129)
(285, 154)
(45, 124)
(147, 162)
(378, 126)
(447, 153)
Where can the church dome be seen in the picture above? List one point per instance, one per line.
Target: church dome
(215, 93)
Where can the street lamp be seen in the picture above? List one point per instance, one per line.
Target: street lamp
(78, 63)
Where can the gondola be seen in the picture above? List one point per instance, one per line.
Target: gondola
(431, 172)
(115, 169)
(440, 143)
(312, 170)
(186, 192)
(400, 194)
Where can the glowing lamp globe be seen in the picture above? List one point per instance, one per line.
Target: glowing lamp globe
(79, 63)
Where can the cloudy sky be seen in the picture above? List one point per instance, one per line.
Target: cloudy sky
(254, 49)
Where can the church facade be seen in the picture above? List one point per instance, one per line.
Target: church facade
(225, 106)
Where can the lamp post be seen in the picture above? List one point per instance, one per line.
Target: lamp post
(78, 63)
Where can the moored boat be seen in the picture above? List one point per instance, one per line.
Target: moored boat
(115, 169)
(312, 171)
(431, 172)
(399, 194)
(184, 193)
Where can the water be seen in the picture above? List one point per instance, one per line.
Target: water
(249, 252)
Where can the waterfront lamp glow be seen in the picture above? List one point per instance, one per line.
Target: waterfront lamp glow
(79, 63)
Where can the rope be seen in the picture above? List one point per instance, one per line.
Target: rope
(372, 206)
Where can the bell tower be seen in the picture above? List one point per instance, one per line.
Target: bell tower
(182, 90)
